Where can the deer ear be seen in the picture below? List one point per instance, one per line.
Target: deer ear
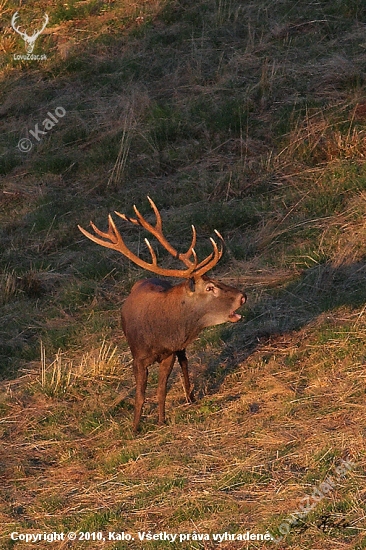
(191, 284)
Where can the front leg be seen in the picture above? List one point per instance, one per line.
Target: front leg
(188, 389)
(165, 368)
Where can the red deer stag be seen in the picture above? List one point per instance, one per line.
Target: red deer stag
(160, 319)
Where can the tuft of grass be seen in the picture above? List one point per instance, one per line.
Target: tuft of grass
(61, 375)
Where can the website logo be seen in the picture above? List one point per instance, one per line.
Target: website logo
(29, 40)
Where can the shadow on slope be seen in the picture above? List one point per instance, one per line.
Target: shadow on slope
(319, 290)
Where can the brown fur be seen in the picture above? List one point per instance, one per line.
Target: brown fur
(160, 320)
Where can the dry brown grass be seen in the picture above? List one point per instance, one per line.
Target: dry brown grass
(245, 117)
(240, 458)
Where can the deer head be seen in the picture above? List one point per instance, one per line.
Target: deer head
(29, 40)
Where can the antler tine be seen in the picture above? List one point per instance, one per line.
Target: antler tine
(152, 252)
(46, 19)
(159, 223)
(140, 220)
(101, 233)
(157, 232)
(219, 235)
(37, 33)
(211, 260)
(14, 23)
(113, 234)
(15, 17)
(219, 252)
(191, 251)
(127, 218)
(208, 263)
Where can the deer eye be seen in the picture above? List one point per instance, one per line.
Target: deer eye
(210, 288)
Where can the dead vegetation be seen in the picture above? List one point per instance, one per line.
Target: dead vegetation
(244, 117)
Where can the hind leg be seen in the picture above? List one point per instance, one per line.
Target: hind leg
(165, 368)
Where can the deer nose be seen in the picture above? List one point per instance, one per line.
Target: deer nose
(243, 299)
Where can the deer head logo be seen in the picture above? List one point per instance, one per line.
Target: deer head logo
(29, 40)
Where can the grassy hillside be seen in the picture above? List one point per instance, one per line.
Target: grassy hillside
(247, 117)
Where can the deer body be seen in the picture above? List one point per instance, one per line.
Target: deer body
(150, 334)
(160, 319)
(159, 316)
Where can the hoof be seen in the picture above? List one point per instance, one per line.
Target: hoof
(191, 398)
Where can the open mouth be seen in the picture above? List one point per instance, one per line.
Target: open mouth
(234, 317)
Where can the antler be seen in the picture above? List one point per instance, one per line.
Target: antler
(37, 33)
(13, 21)
(112, 239)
